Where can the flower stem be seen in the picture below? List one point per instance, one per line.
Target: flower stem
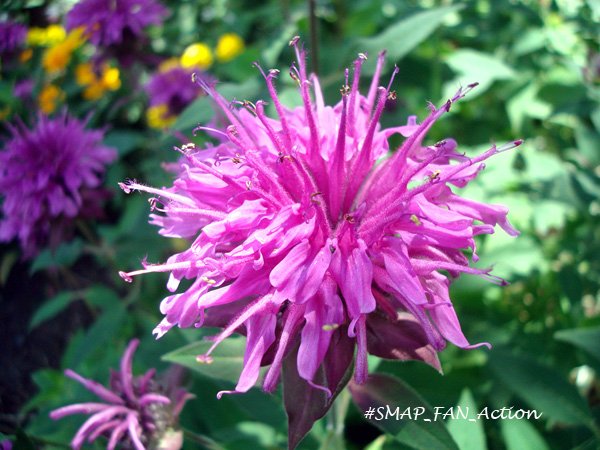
(204, 441)
(314, 38)
(334, 440)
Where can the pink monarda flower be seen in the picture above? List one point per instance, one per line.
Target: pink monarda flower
(49, 176)
(134, 414)
(314, 240)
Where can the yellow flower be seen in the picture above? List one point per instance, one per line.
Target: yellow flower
(94, 91)
(36, 36)
(46, 37)
(4, 113)
(168, 64)
(55, 34)
(84, 74)
(49, 97)
(229, 46)
(25, 55)
(96, 86)
(197, 55)
(57, 57)
(111, 78)
(158, 117)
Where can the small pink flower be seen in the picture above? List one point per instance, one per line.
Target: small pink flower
(314, 240)
(134, 412)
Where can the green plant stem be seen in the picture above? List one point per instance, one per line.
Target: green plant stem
(204, 441)
(285, 10)
(334, 439)
(314, 38)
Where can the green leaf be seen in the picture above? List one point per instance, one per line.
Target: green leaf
(99, 334)
(202, 109)
(23, 442)
(520, 434)
(542, 387)
(530, 41)
(526, 103)
(549, 215)
(404, 36)
(469, 435)
(9, 259)
(389, 393)
(123, 140)
(245, 435)
(65, 255)
(102, 297)
(227, 359)
(474, 66)
(272, 51)
(512, 256)
(588, 143)
(51, 308)
(199, 111)
(587, 339)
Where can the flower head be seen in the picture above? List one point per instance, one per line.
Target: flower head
(50, 175)
(46, 37)
(229, 46)
(49, 97)
(97, 80)
(197, 55)
(57, 57)
(134, 412)
(313, 239)
(170, 91)
(113, 22)
(12, 36)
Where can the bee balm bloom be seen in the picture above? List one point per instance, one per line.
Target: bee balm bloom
(115, 22)
(49, 175)
(314, 240)
(134, 412)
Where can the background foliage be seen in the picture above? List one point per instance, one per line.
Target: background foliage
(538, 65)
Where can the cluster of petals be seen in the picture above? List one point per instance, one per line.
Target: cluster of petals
(134, 412)
(114, 22)
(49, 175)
(317, 242)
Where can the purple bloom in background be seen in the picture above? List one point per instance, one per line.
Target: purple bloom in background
(50, 175)
(6, 445)
(112, 22)
(314, 240)
(134, 413)
(173, 88)
(12, 36)
(23, 90)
